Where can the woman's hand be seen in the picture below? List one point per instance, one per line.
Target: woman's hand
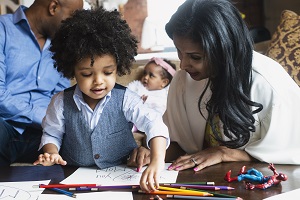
(209, 157)
(47, 159)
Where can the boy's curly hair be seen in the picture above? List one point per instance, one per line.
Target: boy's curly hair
(91, 33)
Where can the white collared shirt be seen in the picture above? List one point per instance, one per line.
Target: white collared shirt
(276, 138)
(146, 119)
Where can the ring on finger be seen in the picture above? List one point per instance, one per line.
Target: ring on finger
(194, 161)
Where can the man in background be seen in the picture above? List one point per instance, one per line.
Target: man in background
(28, 78)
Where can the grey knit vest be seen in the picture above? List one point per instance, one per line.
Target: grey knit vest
(110, 142)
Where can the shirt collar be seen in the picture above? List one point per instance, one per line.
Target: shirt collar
(19, 15)
(79, 101)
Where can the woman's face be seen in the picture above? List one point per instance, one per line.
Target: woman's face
(191, 57)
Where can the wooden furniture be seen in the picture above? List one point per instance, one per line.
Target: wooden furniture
(254, 11)
(214, 173)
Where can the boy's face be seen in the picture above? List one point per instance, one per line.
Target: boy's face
(98, 80)
(152, 77)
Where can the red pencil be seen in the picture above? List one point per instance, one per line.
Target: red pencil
(65, 185)
(103, 188)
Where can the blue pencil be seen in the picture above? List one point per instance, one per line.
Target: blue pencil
(70, 194)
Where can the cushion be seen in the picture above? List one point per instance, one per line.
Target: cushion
(285, 44)
(136, 74)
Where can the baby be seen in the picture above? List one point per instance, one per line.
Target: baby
(154, 84)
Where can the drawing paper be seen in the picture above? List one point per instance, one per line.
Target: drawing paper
(21, 190)
(118, 175)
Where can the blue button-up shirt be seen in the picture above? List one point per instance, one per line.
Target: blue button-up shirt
(28, 78)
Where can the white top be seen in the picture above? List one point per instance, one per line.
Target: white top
(157, 99)
(134, 110)
(277, 136)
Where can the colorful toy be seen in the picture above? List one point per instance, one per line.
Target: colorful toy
(256, 176)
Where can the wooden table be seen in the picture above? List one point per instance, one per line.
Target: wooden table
(214, 173)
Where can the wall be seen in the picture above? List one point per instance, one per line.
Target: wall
(273, 9)
(258, 13)
(253, 11)
(27, 3)
(135, 12)
(8, 6)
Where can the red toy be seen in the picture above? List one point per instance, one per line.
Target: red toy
(256, 176)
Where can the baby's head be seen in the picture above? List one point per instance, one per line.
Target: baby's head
(158, 73)
(93, 45)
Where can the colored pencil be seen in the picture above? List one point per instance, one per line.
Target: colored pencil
(191, 183)
(64, 185)
(103, 188)
(204, 187)
(180, 190)
(183, 191)
(157, 197)
(214, 193)
(194, 197)
(186, 193)
(70, 194)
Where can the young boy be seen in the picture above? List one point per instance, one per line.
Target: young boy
(90, 123)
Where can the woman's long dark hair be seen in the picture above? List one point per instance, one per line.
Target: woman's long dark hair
(224, 37)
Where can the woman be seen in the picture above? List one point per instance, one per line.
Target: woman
(227, 103)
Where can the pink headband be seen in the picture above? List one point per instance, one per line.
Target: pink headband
(164, 65)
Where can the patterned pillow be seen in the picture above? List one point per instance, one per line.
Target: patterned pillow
(285, 44)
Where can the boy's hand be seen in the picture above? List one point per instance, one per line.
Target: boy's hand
(139, 157)
(47, 159)
(150, 177)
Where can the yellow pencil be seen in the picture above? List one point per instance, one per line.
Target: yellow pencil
(182, 190)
